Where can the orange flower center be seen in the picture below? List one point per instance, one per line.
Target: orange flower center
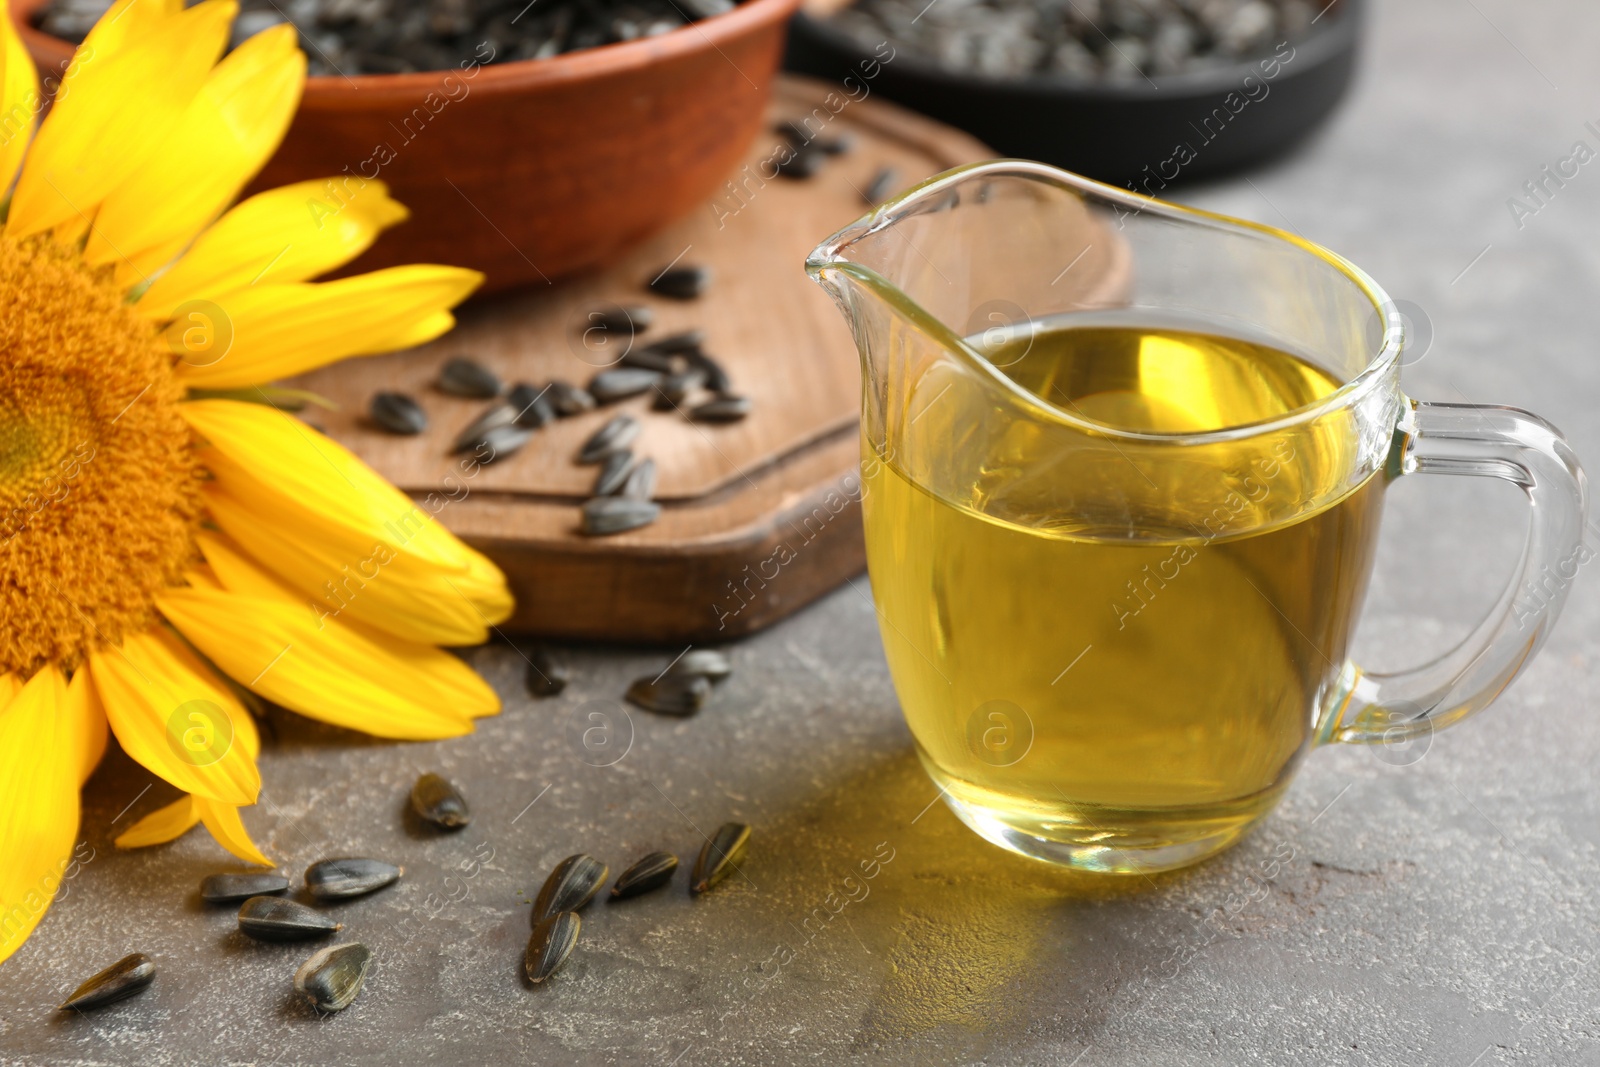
(99, 484)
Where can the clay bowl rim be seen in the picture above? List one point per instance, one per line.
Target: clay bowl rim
(342, 92)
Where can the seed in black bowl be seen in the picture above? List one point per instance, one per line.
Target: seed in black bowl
(719, 856)
(635, 318)
(641, 483)
(463, 377)
(647, 873)
(397, 413)
(277, 919)
(129, 975)
(227, 888)
(681, 283)
(531, 404)
(715, 378)
(606, 515)
(436, 800)
(350, 877)
(706, 661)
(613, 473)
(550, 945)
(568, 399)
(679, 695)
(613, 436)
(545, 677)
(571, 885)
(880, 185)
(332, 977)
(722, 409)
(619, 383)
(493, 417)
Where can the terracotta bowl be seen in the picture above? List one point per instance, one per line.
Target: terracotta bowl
(534, 169)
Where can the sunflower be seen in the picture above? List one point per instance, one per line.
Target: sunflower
(171, 545)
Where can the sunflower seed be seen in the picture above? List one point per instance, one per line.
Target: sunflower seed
(641, 483)
(647, 357)
(472, 435)
(647, 873)
(635, 318)
(716, 379)
(349, 877)
(724, 408)
(681, 283)
(568, 399)
(129, 975)
(332, 977)
(227, 888)
(571, 885)
(614, 435)
(613, 473)
(545, 677)
(438, 801)
(837, 146)
(277, 919)
(531, 404)
(501, 442)
(619, 383)
(880, 185)
(677, 344)
(705, 661)
(671, 694)
(550, 945)
(397, 413)
(802, 162)
(674, 389)
(463, 377)
(719, 856)
(704, 9)
(616, 514)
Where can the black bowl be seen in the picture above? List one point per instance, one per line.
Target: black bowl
(1144, 133)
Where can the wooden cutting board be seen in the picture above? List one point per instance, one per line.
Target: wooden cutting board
(760, 516)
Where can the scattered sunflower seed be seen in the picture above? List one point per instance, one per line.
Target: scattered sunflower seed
(616, 514)
(531, 404)
(500, 442)
(463, 377)
(837, 146)
(550, 945)
(349, 877)
(614, 435)
(722, 409)
(397, 413)
(677, 344)
(473, 434)
(648, 357)
(568, 399)
(613, 473)
(880, 185)
(719, 856)
(437, 801)
(716, 379)
(227, 888)
(635, 318)
(641, 482)
(803, 162)
(545, 677)
(706, 661)
(647, 873)
(129, 975)
(277, 919)
(672, 694)
(571, 885)
(681, 283)
(619, 383)
(674, 389)
(332, 977)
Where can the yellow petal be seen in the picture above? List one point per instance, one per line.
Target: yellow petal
(124, 23)
(289, 234)
(10, 686)
(86, 721)
(322, 521)
(38, 803)
(228, 829)
(162, 825)
(230, 129)
(285, 329)
(172, 716)
(111, 113)
(19, 100)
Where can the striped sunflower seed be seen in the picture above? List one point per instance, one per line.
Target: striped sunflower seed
(437, 801)
(703, 661)
(532, 405)
(605, 515)
(619, 383)
(681, 283)
(492, 418)
(502, 442)
(228, 888)
(550, 945)
(722, 409)
(571, 885)
(613, 473)
(713, 376)
(617, 434)
(641, 483)
(647, 873)
(332, 977)
(674, 389)
(350, 877)
(634, 318)
(646, 357)
(463, 377)
(719, 857)
(679, 344)
(277, 919)
(545, 677)
(568, 399)
(671, 694)
(129, 975)
(397, 413)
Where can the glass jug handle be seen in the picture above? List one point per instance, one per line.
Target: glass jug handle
(1494, 442)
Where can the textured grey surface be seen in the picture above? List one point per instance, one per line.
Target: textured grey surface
(1436, 912)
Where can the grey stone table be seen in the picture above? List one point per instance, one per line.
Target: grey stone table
(1428, 907)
